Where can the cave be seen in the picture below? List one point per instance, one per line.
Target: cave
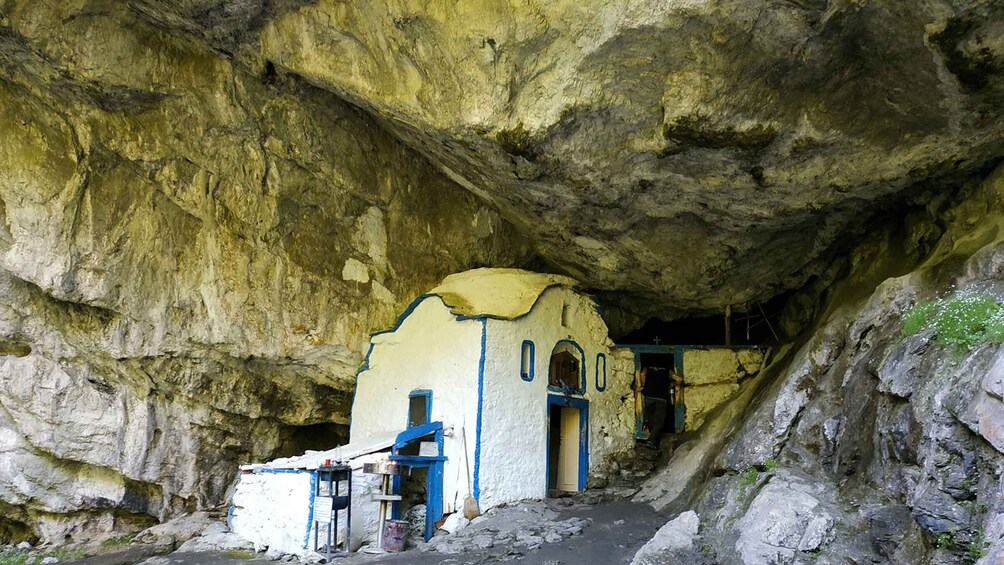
(216, 215)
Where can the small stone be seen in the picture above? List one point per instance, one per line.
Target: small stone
(24, 546)
(618, 522)
(482, 542)
(274, 554)
(552, 537)
(49, 560)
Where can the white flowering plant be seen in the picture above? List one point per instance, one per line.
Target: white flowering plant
(962, 320)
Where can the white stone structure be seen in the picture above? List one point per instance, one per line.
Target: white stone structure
(517, 368)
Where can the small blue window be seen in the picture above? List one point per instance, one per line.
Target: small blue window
(419, 407)
(601, 372)
(526, 361)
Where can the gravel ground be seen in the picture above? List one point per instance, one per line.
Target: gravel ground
(612, 530)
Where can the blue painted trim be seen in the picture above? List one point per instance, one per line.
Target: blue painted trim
(230, 517)
(583, 406)
(639, 412)
(411, 434)
(433, 499)
(310, 512)
(428, 405)
(582, 368)
(601, 371)
(269, 471)
(481, 404)
(532, 353)
(395, 507)
(433, 481)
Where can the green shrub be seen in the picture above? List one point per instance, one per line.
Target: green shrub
(963, 321)
(750, 475)
(770, 464)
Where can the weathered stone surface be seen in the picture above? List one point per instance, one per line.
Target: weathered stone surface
(784, 518)
(703, 399)
(882, 445)
(216, 537)
(671, 543)
(191, 259)
(523, 527)
(621, 126)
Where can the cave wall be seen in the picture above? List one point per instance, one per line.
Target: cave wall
(861, 442)
(192, 256)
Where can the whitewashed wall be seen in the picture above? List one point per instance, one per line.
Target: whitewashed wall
(433, 350)
(271, 510)
(514, 425)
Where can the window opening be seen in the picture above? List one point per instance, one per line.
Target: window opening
(419, 407)
(526, 361)
(601, 372)
(566, 371)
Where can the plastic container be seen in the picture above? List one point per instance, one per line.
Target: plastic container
(395, 533)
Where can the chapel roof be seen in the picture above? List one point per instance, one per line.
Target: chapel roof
(496, 293)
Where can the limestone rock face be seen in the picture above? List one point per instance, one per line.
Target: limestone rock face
(191, 259)
(669, 149)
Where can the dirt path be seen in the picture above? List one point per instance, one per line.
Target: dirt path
(615, 532)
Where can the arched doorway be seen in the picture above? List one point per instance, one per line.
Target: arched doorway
(567, 419)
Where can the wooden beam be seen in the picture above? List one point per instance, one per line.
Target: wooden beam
(728, 325)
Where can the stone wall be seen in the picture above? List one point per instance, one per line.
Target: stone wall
(712, 376)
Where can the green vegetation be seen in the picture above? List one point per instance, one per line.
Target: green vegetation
(963, 320)
(770, 464)
(16, 557)
(706, 549)
(116, 541)
(750, 475)
(238, 554)
(977, 547)
(13, 558)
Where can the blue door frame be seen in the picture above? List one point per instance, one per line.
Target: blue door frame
(434, 480)
(583, 407)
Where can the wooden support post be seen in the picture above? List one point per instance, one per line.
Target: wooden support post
(728, 325)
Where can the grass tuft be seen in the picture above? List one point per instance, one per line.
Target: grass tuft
(116, 541)
(963, 321)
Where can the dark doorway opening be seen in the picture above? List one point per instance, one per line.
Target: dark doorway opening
(659, 396)
(553, 443)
